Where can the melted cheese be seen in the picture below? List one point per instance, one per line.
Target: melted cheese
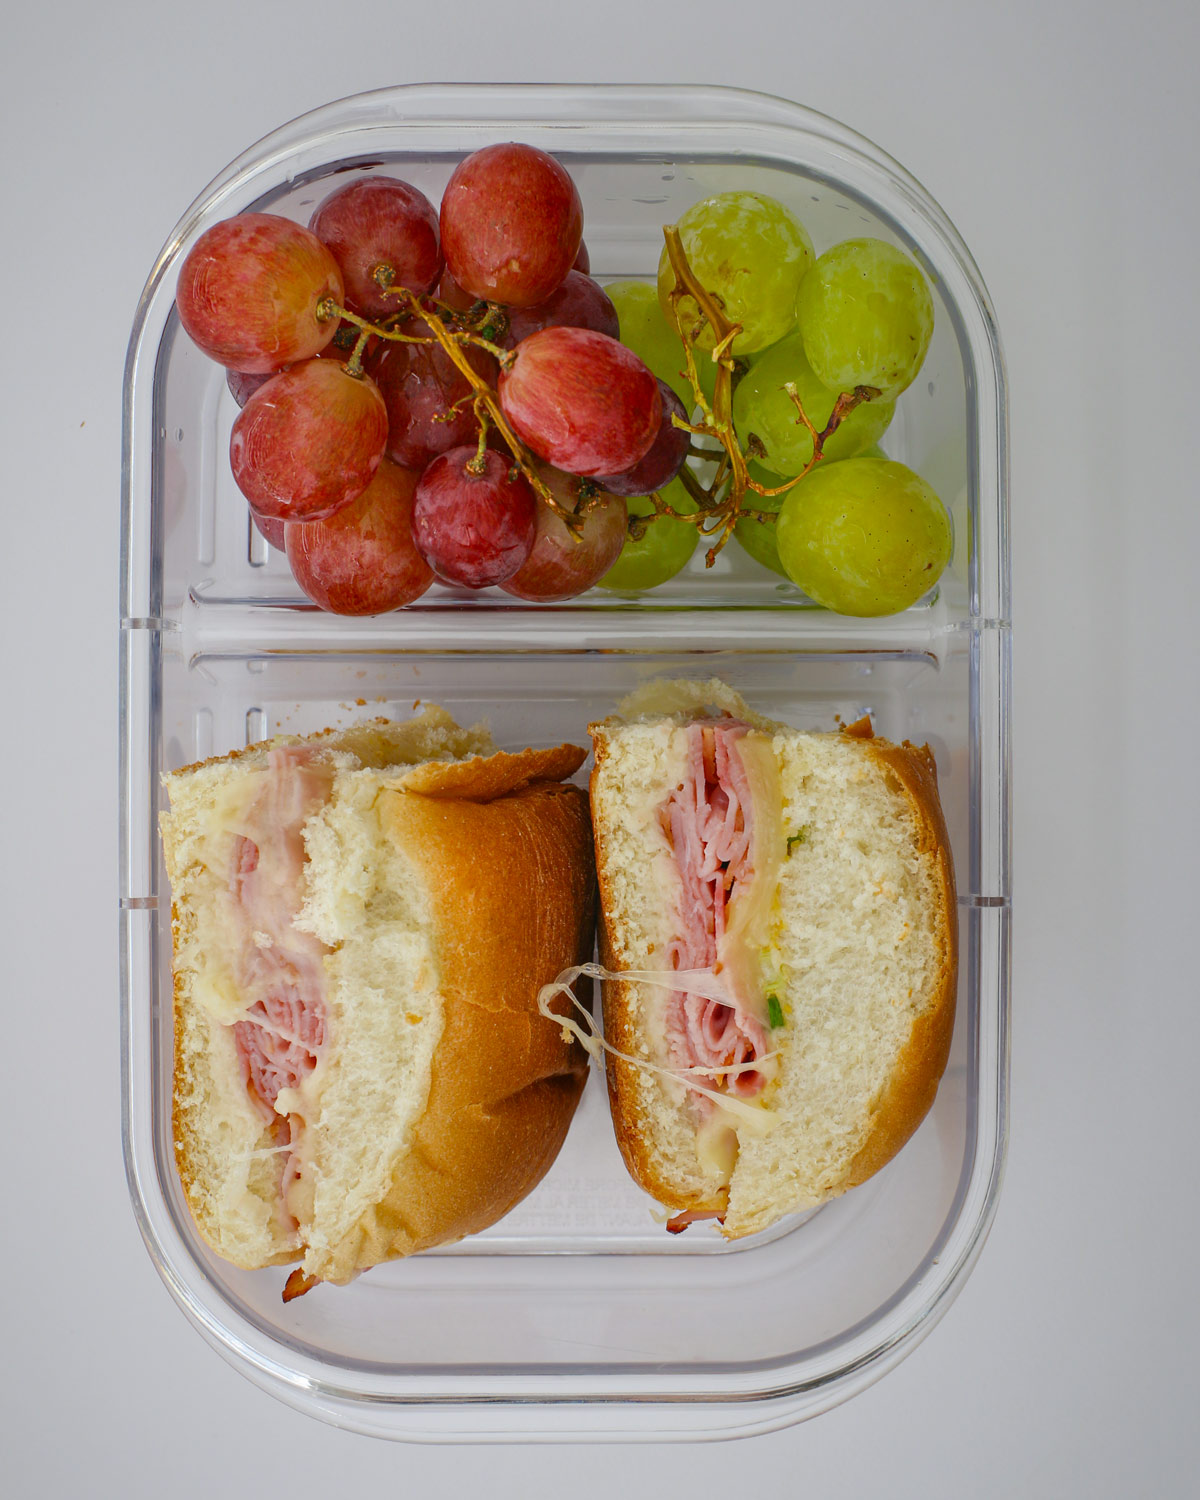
(749, 913)
(741, 1113)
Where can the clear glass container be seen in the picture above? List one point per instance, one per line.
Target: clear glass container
(577, 1317)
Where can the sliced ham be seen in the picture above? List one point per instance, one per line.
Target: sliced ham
(279, 970)
(709, 825)
(677, 1223)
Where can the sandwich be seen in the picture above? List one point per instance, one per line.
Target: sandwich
(778, 950)
(362, 921)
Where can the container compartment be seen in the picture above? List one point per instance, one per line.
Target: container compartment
(577, 1315)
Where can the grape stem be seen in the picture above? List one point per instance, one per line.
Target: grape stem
(354, 363)
(719, 504)
(329, 308)
(485, 400)
(478, 464)
(723, 501)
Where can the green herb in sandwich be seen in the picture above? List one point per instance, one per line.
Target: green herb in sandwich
(774, 1011)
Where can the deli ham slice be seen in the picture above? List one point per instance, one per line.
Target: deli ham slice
(279, 970)
(708, 822)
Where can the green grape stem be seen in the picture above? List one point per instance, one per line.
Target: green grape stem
(842, 408)
(703, 498)
(719, 504)
(723, 501)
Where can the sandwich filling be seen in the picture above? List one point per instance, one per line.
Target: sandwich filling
(722, 824)
(278, 970)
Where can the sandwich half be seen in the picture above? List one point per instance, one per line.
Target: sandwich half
(778, 924)
(362, 921)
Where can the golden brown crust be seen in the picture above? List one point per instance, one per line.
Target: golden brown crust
(179, 1135)
(630, 1124)
(513, 893)
(484, 777)
(914, 1081)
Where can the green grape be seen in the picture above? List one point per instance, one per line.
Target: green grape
(645, 330)
(758, 537)
(664, 550)
(750, 252)
(762, 406)
(866, 317)
(863, 537)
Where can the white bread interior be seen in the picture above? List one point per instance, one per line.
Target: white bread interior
(863, 948)
(228, 1160)
(369, 903)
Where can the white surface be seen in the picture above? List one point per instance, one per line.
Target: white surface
(1060, 138)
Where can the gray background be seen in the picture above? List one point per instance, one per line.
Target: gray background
(1060, 138)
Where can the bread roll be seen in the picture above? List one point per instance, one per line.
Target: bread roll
(838, 986)
(362, 921)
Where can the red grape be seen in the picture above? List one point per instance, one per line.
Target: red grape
(308, 441)
(581, 401)
(362, 560)
(664, 459)
(377, 222)
(272, 530)
(577, 302)
(511, 222)
(474, 529)
(345, 341)
(249, 291)
(243, 385)
(420, 384)
(452, 295)
(561, 565)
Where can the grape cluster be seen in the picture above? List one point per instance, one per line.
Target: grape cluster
(815, 352)
(447, 393)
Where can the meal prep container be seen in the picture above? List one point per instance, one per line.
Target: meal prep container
(577, 1316)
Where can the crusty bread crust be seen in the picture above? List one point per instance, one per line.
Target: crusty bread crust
(919, 1068)
(482, 778)
(513, 905)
